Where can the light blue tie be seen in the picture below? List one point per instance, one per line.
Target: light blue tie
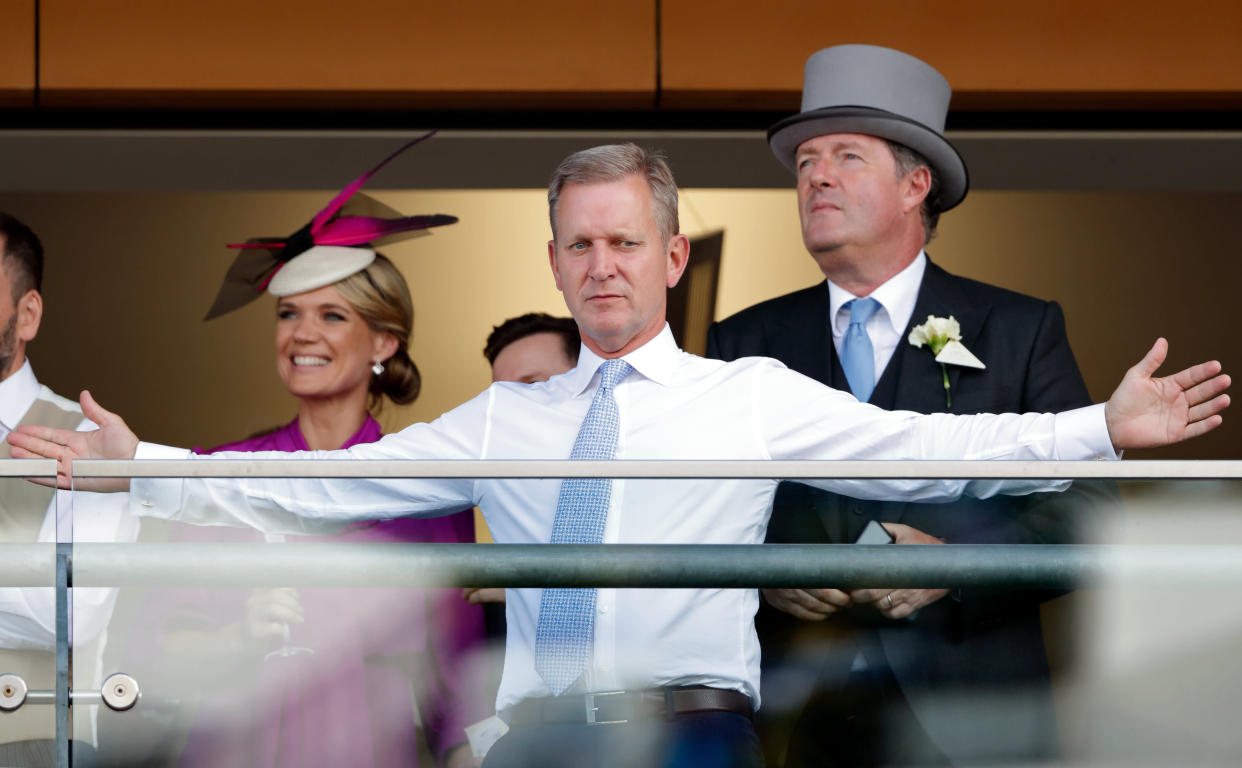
(857, 354)
(567, 615)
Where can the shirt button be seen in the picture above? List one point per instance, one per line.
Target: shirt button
(603, 609)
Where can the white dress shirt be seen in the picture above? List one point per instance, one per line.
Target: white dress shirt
(886, 327)
(675, 406)
(28, 614)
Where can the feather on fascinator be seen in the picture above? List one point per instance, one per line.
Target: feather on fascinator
(328, 245)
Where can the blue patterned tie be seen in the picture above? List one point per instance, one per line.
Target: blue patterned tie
(857, 354)
(567, 615)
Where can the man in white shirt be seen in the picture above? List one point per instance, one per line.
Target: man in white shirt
(29, 513)
(906, 676)
(686, 659)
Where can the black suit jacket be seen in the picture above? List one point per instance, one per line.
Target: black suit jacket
(973, 667)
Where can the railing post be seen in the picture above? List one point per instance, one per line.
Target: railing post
(64, 554)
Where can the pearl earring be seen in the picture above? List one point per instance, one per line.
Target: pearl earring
(377, 368)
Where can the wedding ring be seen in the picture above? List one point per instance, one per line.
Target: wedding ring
(889, 598)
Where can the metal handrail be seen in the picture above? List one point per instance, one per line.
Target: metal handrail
(27, 565)
(27, 468)
(350, 564)
(680, 469)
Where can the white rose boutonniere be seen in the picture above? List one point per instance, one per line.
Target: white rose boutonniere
(943, 336)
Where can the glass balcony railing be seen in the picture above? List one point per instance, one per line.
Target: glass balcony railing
(35, 608)
(214, 645)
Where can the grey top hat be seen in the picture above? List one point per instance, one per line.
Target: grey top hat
(879, 92)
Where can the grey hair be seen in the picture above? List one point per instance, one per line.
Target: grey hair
(614, 162)
(907, 160)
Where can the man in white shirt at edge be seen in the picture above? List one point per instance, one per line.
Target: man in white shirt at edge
(686, 655)
(28, 513)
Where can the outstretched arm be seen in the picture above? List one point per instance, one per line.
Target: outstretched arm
(285, 505)
(801, 419)
(1149, 412)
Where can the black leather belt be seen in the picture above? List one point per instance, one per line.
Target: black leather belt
(617, 707)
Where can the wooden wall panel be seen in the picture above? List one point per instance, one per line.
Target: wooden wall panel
(17, 53)
(415, 53)
(1035, 54)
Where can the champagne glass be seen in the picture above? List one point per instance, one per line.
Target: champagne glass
(286, 648)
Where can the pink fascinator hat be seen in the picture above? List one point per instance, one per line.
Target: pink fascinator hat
(332, 246)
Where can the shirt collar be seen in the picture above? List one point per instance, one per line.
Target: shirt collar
(897, 296)
(17, 393)
(655, 360)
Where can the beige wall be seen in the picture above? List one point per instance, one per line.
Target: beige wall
(130, 275)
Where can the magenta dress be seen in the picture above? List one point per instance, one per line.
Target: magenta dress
(350, 703)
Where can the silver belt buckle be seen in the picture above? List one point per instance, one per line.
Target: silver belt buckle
(591, 709)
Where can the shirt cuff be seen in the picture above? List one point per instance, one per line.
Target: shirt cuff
(1082, 434)
(156, 496)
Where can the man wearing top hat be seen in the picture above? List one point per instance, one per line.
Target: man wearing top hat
(908, 676)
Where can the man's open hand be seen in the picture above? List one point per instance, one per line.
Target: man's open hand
(1147, 412)
(113, 440)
